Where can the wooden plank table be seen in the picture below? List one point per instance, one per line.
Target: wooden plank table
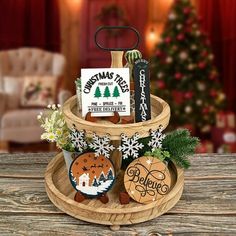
(207, 207)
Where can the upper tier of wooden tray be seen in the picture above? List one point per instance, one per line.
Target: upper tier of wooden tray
(160, 116)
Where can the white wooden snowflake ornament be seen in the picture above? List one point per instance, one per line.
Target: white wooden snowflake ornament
(101, 145)
(156, 138)
(78, 139)
(130, 146)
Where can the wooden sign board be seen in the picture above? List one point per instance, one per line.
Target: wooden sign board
(104, 91)
(147, 179)
(90, 175)
(142, 90)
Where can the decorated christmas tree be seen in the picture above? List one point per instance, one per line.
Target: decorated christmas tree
(184, 71)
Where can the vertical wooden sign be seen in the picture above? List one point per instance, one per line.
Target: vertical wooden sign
(142, 90)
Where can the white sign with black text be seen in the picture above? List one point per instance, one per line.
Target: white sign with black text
(105, 90)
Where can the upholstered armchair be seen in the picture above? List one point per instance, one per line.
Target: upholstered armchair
(19, 124)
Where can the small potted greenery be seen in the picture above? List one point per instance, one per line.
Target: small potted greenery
(57, 131)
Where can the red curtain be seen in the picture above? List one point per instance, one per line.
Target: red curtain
(219, 21)
(31, 23)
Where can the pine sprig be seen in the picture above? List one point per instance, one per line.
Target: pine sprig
(158, 153)
(180, 145)
(177, 146)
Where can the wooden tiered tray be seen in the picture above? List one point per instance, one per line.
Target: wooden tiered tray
(61, 193)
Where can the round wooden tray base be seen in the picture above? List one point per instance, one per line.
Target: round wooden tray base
(61, 193)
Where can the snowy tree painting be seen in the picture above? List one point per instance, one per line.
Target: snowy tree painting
(92, 175)
(95, 182)
(98, 186)
(110, 174)
(102, 177)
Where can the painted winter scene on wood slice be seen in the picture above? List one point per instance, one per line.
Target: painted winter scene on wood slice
(92, 175)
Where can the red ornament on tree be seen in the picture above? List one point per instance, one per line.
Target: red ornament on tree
(180, 36)
(201, 65)
(213, 93)
(187, 10)
(213, 75)
(204, 53)
(205, 110)
(158, 53)
(178, 97)
(161, 84)
(178, 76)
(167, 39)
(188, 29)
(189, 21)
(188, 95)
(174, 48)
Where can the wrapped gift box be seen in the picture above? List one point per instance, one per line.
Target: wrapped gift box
(205, 146)
(225, 120)
(224, 134)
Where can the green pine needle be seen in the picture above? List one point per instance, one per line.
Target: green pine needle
(158, 153)
(180, 145)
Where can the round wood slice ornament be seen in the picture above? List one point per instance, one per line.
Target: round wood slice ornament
(147, 179)
(92, 175)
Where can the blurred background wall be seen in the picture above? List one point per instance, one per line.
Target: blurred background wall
(68, 26)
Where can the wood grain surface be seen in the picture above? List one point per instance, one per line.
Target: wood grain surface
(61, 194)
(207, 206)
(160, 116)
